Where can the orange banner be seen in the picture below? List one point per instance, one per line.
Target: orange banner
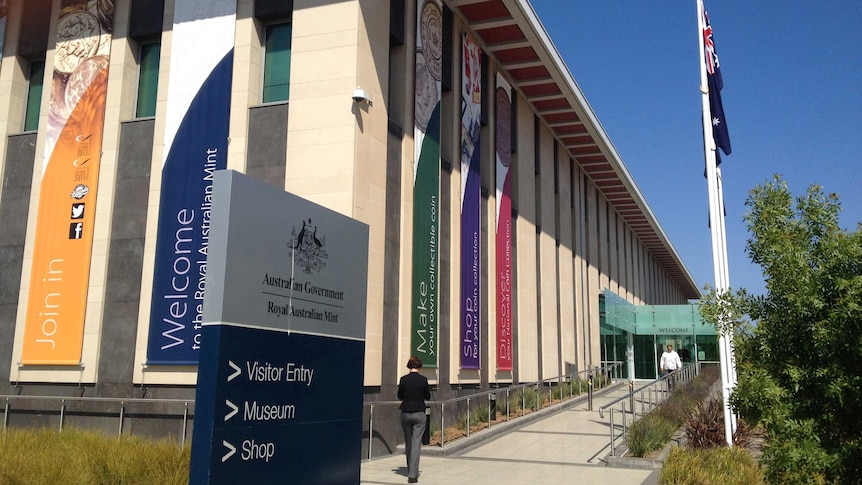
(54, 330)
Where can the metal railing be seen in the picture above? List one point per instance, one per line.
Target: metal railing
(649, 396)
(548, 393)
(61, 406)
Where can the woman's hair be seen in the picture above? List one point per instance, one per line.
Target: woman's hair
(414, 363)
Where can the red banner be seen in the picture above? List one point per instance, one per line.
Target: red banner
(504, 225)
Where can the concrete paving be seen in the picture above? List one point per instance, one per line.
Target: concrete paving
(564, 445)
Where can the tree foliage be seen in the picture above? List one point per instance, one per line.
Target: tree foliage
(800, 364)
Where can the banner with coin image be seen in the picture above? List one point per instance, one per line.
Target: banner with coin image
(504, 224)
(59, 280)
(426, 182)
(471, 111)
(196, 133)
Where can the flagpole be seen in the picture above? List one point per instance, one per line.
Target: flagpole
(719, 239)
(730, 364)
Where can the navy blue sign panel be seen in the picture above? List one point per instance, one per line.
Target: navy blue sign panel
(280, 377)
(273, 404)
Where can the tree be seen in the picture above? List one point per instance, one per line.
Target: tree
(799, 363)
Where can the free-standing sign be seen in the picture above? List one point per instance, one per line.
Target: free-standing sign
(280, 380)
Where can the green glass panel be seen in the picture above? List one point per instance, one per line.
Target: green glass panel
(645, 357)
(654, 319)
(148, 81)
(34, 95)
(654, 326)
(276, 70)
(707, 348)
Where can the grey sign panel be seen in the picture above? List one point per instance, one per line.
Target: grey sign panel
(292, 265)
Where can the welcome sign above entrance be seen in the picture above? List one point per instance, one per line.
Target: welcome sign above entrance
(654, 319)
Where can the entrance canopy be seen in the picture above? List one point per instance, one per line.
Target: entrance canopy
(654, 319)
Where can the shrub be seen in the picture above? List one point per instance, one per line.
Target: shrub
(557, 392)
(75, 456)
(719, 466)
(523, 398)
(649, 434)
(796, 456)
(578, 386)
(531, 397)
(669, 415)
(705, 427)
(479, 414)
(677, 408)
(799, 367)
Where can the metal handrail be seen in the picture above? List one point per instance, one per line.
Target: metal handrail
(655, 391)
(122, 401)
(611, 371)
(96, 399)
(651, 383)
(585, 377)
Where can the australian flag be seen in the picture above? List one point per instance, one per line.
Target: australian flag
(713, 75)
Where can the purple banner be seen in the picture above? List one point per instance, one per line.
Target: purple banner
(471, 107)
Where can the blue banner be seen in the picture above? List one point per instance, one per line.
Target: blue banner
(195, 147)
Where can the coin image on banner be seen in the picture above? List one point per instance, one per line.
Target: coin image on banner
(58, 111)
(105, 12)
(82, 77)
(431, 33)
(76, 131)
(504, 127)
(426, 93)
(78, 37)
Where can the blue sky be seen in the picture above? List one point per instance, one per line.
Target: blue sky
(792, 96)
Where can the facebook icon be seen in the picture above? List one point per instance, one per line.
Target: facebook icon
(76, 230)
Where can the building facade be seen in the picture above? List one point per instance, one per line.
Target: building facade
(498, 208)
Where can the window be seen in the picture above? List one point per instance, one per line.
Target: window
(148, 79)
(276, 63)
(35, 79)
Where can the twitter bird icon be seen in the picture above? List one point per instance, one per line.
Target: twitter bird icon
(78, 211)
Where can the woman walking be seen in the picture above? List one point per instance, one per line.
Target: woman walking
(413, 390)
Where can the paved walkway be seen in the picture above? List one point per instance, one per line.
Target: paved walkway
(565, 446)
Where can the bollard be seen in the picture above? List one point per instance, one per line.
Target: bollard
(632, 396)
(590, 393)
(493, 406)
(426, 436)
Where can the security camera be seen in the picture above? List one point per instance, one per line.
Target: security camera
(360, 96)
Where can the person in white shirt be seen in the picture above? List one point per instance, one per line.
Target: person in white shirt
(670, 361)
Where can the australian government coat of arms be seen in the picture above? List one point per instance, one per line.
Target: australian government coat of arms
(309, 248)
